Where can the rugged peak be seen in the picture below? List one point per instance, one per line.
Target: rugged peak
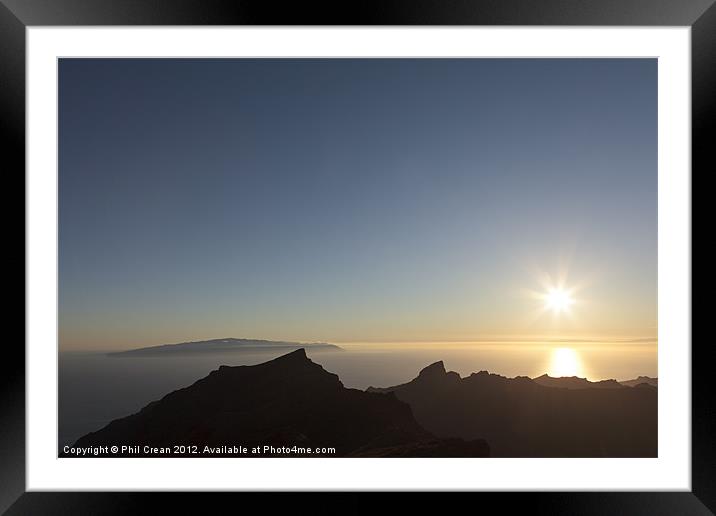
(284, 364)
(433, 370)
(298, 355)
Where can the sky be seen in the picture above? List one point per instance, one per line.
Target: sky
(355, 200)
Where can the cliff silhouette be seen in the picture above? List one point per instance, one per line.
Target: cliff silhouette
(292, 401)
(544, 417)
(285, 402)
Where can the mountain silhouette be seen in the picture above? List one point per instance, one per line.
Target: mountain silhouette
(641, 380)
(521, 418)
(285, 402)
(574, 382)
(225, 345)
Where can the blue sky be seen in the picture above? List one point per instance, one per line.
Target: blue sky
(350, 200)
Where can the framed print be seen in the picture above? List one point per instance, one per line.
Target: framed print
(436, 249)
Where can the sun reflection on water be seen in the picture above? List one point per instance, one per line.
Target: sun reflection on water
(566, 362)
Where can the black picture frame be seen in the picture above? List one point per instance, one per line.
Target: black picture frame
(16, 15)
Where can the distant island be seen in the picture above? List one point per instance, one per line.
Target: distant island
(225, 345)
(293, 402)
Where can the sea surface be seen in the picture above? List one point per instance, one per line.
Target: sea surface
(95, 388)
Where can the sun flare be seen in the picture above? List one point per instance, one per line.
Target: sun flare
(558, 300)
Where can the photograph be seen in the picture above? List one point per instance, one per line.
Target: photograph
(279, 257)
(434, 249)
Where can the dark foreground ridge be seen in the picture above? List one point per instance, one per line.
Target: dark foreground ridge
(640, 381)
(544, 417)
(286, 402)
(574, 382)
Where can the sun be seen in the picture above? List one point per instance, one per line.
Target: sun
(558, 300)
(558, 296)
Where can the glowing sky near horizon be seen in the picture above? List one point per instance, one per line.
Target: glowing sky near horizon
(355, 200)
